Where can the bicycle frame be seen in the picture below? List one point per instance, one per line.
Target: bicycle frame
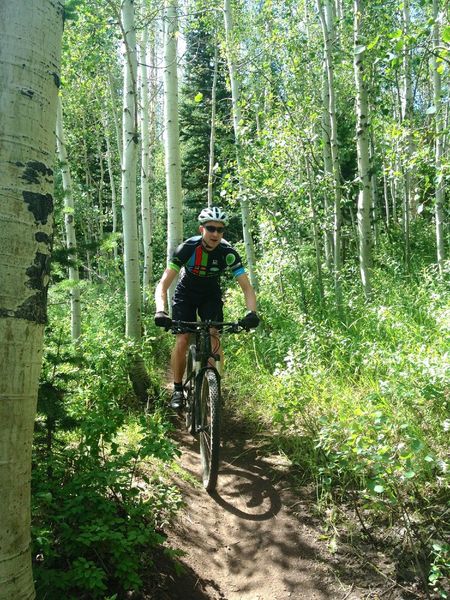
(202, 393)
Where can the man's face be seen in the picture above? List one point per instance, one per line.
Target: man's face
(211, 239)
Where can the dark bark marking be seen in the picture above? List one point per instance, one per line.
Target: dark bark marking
(56, 79)
(42, 237)
(35, 170)
(41, 205)
(39, 271)
(33, 309)
(27, 93)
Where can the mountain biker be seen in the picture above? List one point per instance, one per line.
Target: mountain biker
(203, 258)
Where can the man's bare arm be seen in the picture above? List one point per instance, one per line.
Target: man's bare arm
(164, 284)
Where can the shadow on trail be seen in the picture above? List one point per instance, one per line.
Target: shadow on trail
(242, 541)
(257, 491)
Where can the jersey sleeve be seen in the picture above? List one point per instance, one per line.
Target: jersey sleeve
(234, 262)
(180, 257)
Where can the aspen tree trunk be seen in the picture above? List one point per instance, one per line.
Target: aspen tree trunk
(145, 172)
(406, 115)
(315, 233)
(112, 183)
(362, 141)
(88, 184)
(30, 47)
(439, 194)
(69, 224)
(114, 101)
(328, 170)
(373, 185)
(334, 155)
(130, 135)
(387, 208)
(237, 119)
(212, 138)
(172, 133)
(101, 214)
(129, 166)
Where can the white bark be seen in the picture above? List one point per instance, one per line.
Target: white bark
(172, 134)
(237, 120)
(362, 141)
(112, 184)
(408, 207)
(327, 39)
(145, 171)
(114, 101)
(30, 47)
(212, 138)
(327, 167)
(69, 224)
(329, 15)
(130, 146)
(439, 194)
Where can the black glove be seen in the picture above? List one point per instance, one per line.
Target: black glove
(250, 321)
(162, 319)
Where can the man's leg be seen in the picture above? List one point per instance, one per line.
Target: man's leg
(178, 361)
(216, 347)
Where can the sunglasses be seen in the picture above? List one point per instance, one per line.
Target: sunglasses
(213, 229)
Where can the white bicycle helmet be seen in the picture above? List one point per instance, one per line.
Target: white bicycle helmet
(213, 213)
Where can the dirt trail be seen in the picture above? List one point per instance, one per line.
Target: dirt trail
(252, 539)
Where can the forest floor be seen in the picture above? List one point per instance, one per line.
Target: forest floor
(259, 537)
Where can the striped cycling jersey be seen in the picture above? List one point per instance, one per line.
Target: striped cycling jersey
(202, 263)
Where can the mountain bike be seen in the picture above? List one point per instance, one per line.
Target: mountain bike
(203, 402)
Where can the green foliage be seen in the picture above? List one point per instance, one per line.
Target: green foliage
(99, 498)
(361, 406)
(195, 116)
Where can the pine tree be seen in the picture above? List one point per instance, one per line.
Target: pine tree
(195, 117)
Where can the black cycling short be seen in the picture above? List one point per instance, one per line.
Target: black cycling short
(188, 303)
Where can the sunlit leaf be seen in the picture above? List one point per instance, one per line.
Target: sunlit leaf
(446, 34)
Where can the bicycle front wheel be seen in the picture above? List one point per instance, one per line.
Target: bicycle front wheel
(209, 428)
(189, 391)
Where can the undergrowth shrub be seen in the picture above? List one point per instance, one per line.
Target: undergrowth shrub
(361, 405)
(100, 500)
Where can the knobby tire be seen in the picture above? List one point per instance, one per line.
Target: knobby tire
(189, 391)
(209, 426)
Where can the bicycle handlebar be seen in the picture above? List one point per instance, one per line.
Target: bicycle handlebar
(194, 326)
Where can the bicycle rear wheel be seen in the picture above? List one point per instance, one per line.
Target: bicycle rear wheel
(189, 391)
(209, 427)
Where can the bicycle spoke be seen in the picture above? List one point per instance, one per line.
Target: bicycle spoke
(209, 398)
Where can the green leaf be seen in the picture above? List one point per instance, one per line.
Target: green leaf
(198, 97)
(431, 110)
(446, 34)
(374, 43)
(379, 489)
(359, 49)
(410, 474)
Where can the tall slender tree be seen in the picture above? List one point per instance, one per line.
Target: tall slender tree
(130, 136)
(212, 137)
(231, 49)
(331, 96)
(146, 213)
(129, 166)
(362, 142)
(439, 194)
(30, 48)
(69, 223)
(172, 135)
